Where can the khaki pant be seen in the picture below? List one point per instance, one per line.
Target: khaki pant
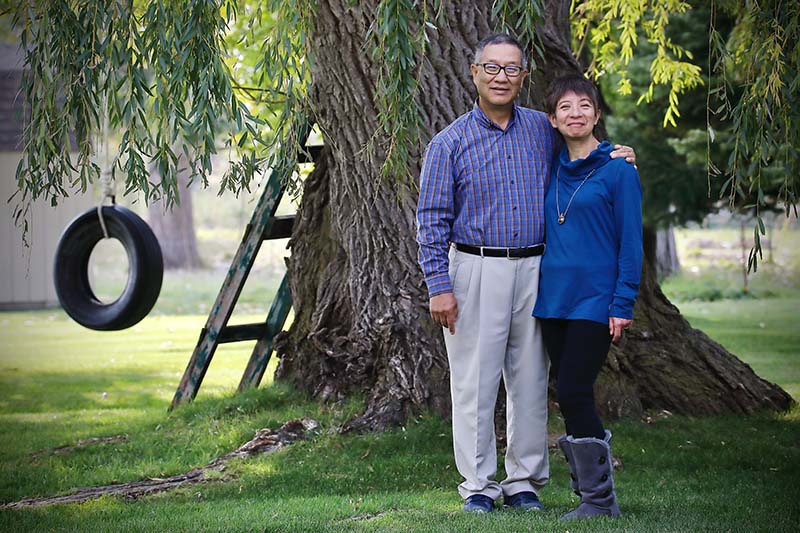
(496, 335)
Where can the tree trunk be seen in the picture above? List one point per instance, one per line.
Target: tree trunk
(667, 262)
(664, 363)
(660, 251)
(174, 229)
(361, 307)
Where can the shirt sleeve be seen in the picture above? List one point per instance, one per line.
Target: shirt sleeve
(628, 223)
(435, 215)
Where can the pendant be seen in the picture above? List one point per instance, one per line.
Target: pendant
(561, 219)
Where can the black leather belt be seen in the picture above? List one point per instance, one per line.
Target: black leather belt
(483, 251)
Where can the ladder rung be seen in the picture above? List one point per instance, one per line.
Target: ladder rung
(255, 233)
(281, 228)
(241, 332)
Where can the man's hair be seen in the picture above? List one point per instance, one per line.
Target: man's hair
(498, 38)
(576, 83)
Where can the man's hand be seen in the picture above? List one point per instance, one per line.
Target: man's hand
(444, 311)
(615, 327)
(620, 150)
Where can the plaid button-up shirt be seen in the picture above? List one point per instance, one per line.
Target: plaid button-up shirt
(483, 186)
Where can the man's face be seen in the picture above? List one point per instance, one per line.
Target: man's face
(498, 90)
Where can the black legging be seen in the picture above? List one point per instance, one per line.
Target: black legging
(577, 350)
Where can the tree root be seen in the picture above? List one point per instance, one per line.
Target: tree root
(265, 441)
(80, 444)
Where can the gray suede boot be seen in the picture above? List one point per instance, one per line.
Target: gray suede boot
(563, 443)
(592, 459)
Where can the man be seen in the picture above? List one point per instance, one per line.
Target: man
(482, 190)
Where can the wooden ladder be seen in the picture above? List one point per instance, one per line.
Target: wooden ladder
(264, 225)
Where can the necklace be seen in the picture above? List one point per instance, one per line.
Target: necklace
(562, 217)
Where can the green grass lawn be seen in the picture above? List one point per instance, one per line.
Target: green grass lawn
(764, 333)
(60, 383)
(758, 325)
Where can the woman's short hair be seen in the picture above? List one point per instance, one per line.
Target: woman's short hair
(576, 83)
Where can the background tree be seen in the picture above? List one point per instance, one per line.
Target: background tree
(673, 159)
(379, 78)
(361, 321)
(173, 226)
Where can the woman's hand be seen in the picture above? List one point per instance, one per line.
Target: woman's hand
(615, 327)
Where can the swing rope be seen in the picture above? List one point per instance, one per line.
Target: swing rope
(106, 177)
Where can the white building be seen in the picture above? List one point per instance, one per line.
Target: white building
(26, 275)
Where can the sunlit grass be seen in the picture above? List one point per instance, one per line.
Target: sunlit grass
(60, 383)
(678, 474)
(194, 292)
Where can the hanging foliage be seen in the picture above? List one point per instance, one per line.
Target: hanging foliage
(158, 66)
(276, 80)
(611, 30)
(170, 82)
(757, 94)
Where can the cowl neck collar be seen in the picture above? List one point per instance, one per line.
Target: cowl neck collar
(579, 168)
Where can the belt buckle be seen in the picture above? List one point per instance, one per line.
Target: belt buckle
(509, 256)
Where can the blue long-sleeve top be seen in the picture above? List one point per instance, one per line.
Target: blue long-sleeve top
(593, 262)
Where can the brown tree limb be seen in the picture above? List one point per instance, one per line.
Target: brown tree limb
(67, 448)
(265, 441)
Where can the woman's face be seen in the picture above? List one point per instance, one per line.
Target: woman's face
(575, 116)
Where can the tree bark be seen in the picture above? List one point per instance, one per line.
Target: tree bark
(361, 306)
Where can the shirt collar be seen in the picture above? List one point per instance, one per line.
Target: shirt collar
(484, 121)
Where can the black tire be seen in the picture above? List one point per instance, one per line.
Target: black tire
(71, 271)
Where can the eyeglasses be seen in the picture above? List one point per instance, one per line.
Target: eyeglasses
(512, 71)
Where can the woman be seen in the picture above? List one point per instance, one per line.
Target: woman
(589, 280)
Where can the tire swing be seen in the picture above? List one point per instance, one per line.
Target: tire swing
(71, 269)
